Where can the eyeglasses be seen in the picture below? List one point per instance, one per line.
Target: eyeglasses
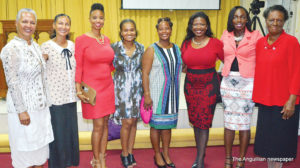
(278, 21)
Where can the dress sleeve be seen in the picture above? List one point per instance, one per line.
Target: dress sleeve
(79, 51)
(11, 64)
(294, 67)
(220, 50)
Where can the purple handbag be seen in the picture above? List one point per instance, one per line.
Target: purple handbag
(113, 130)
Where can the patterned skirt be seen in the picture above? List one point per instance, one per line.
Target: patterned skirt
(201, 88)
(236, 93)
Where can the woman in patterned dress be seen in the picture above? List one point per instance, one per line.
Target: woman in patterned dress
(237, 84)
(128, 87)
(161, 69)
(61, 65)
(200, 52)
(94, 57)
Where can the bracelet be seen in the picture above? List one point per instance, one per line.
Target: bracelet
(147, 93)
(79, 93)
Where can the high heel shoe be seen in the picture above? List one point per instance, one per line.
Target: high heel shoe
(131, 159)
(168, 164)
(228, 162)
(94, 162)
(195, 165)
(241, 164)
(159, 166)
(125, 161)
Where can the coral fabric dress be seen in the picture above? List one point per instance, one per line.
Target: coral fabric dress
(94, 66)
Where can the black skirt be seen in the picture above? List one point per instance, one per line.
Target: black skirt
(276, 138)
(64, 150)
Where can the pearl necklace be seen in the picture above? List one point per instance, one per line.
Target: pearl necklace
(238, 39)
(195, 42)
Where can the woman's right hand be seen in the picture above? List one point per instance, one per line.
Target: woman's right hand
(83, 98)
(24, 118)
(148, 102)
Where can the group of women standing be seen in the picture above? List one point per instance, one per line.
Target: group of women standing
(263, 70)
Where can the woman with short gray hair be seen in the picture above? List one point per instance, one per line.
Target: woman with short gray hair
(29, 121)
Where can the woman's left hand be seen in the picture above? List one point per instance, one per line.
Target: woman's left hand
(289, 108)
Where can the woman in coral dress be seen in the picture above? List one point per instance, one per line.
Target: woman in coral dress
(94, 58)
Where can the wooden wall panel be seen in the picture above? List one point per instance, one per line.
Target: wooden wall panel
(43, 25)
(3, 86)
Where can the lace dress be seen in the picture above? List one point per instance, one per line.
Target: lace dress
(24, 69)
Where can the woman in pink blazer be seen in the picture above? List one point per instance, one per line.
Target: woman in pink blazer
(237, 84)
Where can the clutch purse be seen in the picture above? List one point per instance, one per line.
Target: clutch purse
(89, 92)
(145, 114)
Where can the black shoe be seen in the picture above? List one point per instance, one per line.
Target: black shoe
(125, 161)
(195, 165)
(159, 166)
(168, 164)
(131, 159)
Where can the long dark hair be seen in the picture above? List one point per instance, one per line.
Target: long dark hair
(230, 26)
(189, 29)
(53, 34)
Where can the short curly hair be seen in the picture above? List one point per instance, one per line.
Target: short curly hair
(279, 8)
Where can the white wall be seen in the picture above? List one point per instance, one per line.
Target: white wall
(293, 24)
(297, 14)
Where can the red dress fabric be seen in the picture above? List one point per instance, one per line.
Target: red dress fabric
(202, 85)
(94, 66)
(202, 58)
(277, 71)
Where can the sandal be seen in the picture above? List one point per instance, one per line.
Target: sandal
(240, 162)
(95, 163)
(125, 161)
(132, 160)
(228, 162)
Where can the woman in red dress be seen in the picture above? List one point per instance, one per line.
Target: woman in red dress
(94, 58)
(200, 52)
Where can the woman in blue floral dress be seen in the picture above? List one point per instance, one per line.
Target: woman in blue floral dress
(128, 87)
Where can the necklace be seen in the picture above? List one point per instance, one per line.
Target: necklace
(195, 42)
(238, 39)
(100, 40)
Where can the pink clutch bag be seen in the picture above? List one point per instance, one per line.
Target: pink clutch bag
(145, 114)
